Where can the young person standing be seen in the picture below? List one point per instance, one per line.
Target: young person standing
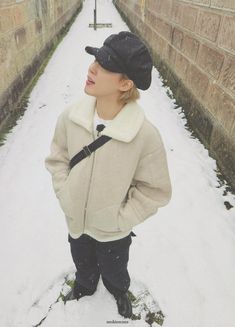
(123, 182)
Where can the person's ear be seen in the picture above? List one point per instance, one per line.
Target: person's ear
(126, 85)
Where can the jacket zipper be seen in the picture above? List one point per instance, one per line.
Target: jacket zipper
(89, 186)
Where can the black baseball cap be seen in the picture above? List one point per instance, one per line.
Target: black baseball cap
(125, 53)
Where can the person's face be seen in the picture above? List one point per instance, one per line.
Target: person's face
(102, 83)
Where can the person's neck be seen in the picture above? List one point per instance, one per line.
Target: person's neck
(107, 109)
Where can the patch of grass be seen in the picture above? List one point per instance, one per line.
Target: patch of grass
(150, 317)
(70, 282)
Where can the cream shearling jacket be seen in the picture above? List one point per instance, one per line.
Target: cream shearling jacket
(120, 184)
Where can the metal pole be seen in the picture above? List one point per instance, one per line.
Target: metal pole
(95, 15)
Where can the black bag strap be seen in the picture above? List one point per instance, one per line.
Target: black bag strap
(88, 149)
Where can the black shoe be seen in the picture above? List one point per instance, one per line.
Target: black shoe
(77, 292)
(124, 305)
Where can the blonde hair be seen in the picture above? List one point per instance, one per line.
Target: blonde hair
(131, 95)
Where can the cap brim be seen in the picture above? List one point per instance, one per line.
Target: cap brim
(92, 51)
(105, 58)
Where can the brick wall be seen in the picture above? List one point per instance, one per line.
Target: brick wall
(193, 45)
(28, 30)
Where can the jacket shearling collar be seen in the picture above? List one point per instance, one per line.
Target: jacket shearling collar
(123, 127)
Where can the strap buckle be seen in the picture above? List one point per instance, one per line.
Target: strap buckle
(87, 151)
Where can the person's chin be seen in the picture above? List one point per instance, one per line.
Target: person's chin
(87, 91)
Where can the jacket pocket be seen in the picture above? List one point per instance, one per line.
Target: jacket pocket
(105, 219)
(65, 199)
(127, 217)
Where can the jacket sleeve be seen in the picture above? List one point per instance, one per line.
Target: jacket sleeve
(57, 163)
(150, 189)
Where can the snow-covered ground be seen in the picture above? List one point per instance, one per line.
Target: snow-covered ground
(184, 255)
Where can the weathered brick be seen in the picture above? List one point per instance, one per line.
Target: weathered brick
(190, 47)
(222, 106)
(228, 74)
(150, 18)
(59, 11)
(227, 33)
(2, 80)
(133, 18)
(4, 46)
(226, 4)
(139, 24)
(159, 44)
(30, 53)
(210, 60)
(30, 29)
(6, 2)
(163, 28)
(181, 65)
(144, 31)
(189, 17)
(18, 22)
(148, 34)
(44, 5)
(149, 4)
(208, 25)
(154, 6)
(20, 37)
(226, 114)
(224, 150)
(197, 82)
(38, 43)
(176, 11)
(137, 9)
(11, 67)
(30, 10)
(232, 134)
(166, 6)
(38, 26)
(18, 15)
(123, 7)
(142, 10)
(170, 55)
(37, 8)
(202, 2)
(201, 121)
(7, 22)
(214, 98)
(177, 37)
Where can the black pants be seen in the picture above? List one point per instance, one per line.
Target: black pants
(108, 259)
